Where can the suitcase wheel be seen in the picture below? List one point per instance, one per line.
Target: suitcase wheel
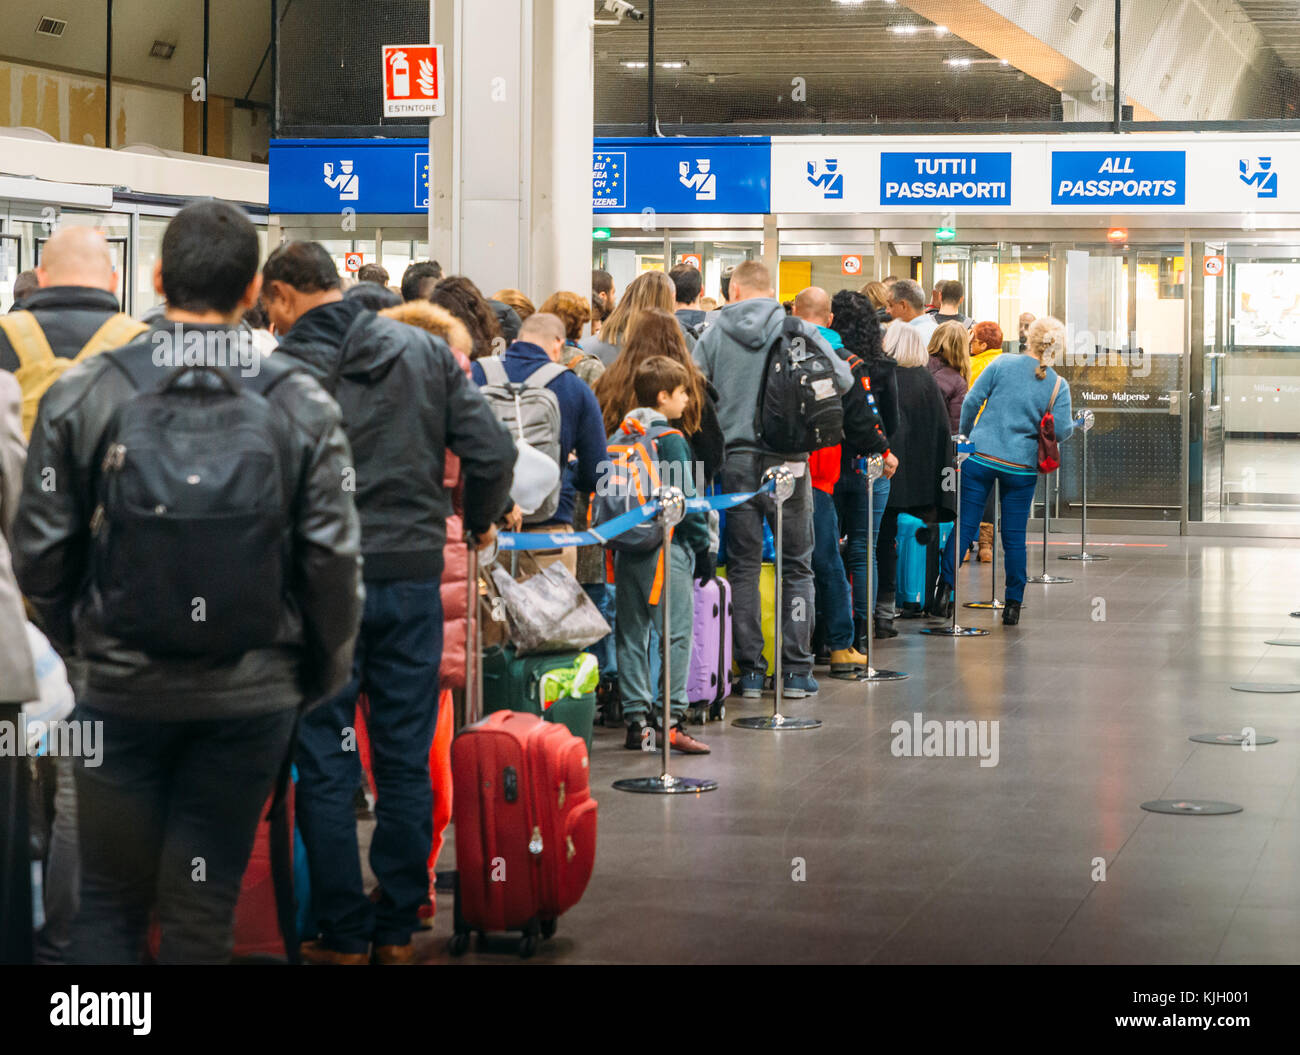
(527, 946)
(718, 711)
(548, 928)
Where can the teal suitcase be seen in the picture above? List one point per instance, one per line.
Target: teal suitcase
(513, 683)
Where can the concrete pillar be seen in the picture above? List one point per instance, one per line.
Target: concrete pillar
(510, 163)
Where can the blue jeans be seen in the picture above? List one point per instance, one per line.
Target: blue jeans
(396, 665)
(640, 666)
(1017, 496)
(833, 603)
(851, 502)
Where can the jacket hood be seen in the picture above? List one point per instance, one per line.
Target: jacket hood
(372, 345)
(752, 323)
(317, 335)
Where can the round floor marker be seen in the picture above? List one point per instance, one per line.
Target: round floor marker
(1230, 739)
(1265, 686)
(1294, 642)
(1191, 807)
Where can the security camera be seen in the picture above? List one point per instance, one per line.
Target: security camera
(623, 9)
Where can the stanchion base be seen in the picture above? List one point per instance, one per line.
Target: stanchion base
(777, 722)
(1083, 556)
(664, 785)
(1047, 580)
(873, 674)
(955, 631)
(993, 605)
(1265, 686)
(1191, 807)
(1229, 739)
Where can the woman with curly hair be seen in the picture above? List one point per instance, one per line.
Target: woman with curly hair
(462, 298)
(574, 310)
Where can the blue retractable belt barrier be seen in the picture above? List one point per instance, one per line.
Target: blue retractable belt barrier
(520, 540)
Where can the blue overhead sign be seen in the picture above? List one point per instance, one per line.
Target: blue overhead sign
(1119, 177)
(365, 175)
(945, 178)
(682, 175)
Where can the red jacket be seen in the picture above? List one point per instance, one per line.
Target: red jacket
(824, 468)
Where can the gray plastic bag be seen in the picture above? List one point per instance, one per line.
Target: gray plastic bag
(549, 612)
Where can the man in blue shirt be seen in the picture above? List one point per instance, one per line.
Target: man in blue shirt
(582, 429)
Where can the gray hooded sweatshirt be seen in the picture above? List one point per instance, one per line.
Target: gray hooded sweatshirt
(732, 353)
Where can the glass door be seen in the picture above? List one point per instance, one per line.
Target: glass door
(1123, 312)
(11, 263)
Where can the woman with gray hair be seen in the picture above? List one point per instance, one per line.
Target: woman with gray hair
(1001, 416)
(923, 447)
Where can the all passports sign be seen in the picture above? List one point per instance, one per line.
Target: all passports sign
(413, 81)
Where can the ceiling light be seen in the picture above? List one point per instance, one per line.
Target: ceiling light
(1076, 13)
(940, 31)
(956, 62)
(850, 3)
(633, 65)
(1109, 42)
(904, 30)
(1165, 81)
(162, 50)
(1004, 62)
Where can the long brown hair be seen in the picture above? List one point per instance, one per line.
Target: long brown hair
(656, 332)
(951, 344)
(651, 289)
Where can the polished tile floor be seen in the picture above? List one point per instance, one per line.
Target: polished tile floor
(823, 846)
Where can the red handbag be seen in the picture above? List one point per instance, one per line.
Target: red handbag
(1049, 450)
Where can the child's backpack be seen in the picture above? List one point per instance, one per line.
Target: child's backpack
(630, 479)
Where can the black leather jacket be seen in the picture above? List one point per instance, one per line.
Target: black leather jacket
(310, 654)
(69, 316)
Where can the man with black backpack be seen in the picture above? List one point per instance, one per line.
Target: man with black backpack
(183, 533)
(771, 417)
(405, 404)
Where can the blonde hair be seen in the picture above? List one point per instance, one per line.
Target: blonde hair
(904, 345)
(650, 289)
(951, 343)
(1045, 341)
(517, 299)
(877, 293)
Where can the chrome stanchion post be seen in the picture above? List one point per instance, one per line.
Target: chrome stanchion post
(783, 481)
(672, 507)
(473, 639)
(875, 470)
(1047, 520)
(964, 450)
(1084, 420)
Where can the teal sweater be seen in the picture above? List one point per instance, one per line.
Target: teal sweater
(1005, 432)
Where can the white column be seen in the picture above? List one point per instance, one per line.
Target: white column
(510, 164)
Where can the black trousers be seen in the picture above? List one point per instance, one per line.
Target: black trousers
(167, 821)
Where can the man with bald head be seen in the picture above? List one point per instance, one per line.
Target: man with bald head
(73, 315)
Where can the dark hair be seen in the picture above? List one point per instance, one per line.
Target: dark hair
(601, 281)
(25, 283)
(856, 323)
(654, 332)
(687, 279)
(418, 277)
(951, 291)
(209, 256)
(256, 318)
(374, 296)
(306, 266)
(658, 374)
(726, 283)
(372, 273)
(462, 298)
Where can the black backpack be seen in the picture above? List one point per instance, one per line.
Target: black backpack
(191, 534)
(799, 408)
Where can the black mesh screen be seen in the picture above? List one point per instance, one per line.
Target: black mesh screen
(329, 72)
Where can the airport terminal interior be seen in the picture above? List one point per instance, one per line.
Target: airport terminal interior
(1081, 747)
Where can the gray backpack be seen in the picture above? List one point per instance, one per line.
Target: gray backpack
(531, 412)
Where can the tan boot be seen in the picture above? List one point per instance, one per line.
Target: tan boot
(316, 953)
(394, 954)
(985, 555)
(847, 661)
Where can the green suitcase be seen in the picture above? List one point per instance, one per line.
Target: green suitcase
(513, 683)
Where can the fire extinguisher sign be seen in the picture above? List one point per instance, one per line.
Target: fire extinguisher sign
(413, 80)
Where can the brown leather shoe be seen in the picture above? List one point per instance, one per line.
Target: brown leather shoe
(316, 953)
(394, 954)
(682, 741)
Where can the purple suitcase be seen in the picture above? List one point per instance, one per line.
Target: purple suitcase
(709, 682)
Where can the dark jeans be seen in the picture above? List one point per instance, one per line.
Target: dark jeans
(167, 823)
(851, 504)
(396, 666)
(833, 603)
(887, 564)
(743, 471)
(1017, 491)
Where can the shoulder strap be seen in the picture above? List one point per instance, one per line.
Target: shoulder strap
(118, 329)
(28, 339)
(494, 371)
(544, 375)
(1055, 389)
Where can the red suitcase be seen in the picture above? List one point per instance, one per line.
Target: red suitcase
(525, 826)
